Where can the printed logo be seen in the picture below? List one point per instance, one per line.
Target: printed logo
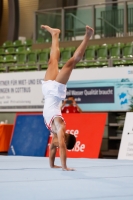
(130, 71)
(123, 98)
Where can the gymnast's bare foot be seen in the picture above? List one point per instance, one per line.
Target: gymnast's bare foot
(53, 31)
(89, 31)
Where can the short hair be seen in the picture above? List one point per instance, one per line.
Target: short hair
(71, 140)
(71, 96)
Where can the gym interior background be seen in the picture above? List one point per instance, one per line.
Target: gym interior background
(111, 45)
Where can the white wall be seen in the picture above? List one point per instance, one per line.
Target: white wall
(27, 9)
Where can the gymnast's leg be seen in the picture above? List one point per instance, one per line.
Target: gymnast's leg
(52, 70)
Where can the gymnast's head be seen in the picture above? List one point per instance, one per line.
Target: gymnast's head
(70, 141)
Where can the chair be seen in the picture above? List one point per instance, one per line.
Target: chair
(20, 64)
(127, 52)
(61, 49)
(102, 56)
(65, 56)
(2, 61)
(46, 50)
(121, 45)
(17, 43)
(7, 44)
(93, 47)
(72, 49)
(21, 58)
(9, 59)
(89, 58)
(129, 44)
(43, 59)
(37, 51)
(28, 49)
(2, 67)
(32, 61)
(2, 51)
(28, 42)
(20, 50)
(109, 46)
(10, 51)
(115, 54)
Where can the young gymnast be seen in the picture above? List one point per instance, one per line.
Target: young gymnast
(54, 91)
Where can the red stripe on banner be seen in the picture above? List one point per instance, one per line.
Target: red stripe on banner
(88, 129)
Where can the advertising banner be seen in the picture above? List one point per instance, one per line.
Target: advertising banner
(126, 146)
(99, 89)
(21, 91)
(88, 129)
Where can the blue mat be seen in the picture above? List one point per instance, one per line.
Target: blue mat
(30, 136)
(31, 178)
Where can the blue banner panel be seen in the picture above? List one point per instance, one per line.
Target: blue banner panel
(92, 94)
(30, 136)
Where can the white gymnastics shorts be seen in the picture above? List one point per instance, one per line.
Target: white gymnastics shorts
(53, 93)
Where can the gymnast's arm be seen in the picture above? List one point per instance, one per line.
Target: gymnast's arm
(52, 153)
